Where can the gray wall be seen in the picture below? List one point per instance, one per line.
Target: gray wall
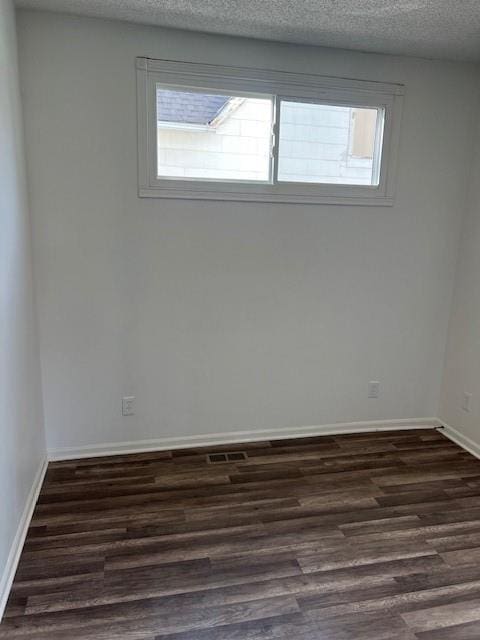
(22, 441)
(221, 316)
(462, 362)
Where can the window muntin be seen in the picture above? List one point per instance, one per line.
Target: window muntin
(276, 86)
(210, 136)
(329, 144)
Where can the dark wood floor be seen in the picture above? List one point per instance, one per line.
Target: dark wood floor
(357, 537)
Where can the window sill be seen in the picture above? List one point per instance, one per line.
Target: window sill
(368, 200)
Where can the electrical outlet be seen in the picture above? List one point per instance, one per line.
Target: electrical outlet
(373, 389)
(467, 401)
(128, 408)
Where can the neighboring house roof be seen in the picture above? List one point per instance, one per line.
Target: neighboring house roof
(189, 108)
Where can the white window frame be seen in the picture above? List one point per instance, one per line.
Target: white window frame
(280, 85)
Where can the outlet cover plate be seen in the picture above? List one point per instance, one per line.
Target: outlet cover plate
(467, 401)
(128, 408)
(373, 389)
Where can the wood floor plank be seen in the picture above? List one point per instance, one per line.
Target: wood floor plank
(467, 631)
(371, 536)
(443, 616)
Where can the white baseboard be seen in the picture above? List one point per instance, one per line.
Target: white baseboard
(19, 539)
(459, 438)
(184, 442)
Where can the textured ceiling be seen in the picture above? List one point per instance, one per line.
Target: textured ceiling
(429, 28)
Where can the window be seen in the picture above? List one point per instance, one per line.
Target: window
(229, 133)
(363, 124)
(329, 144)
(205, 136)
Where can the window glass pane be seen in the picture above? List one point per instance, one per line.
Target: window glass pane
(323, 143)
(207, 136)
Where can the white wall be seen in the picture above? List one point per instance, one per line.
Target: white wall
(225, 316)
(22, 441)
(462, 362)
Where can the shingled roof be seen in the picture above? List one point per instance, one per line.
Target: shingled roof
(189, 107)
